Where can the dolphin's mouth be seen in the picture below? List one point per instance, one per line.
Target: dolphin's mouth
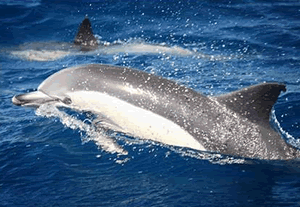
(33, 99)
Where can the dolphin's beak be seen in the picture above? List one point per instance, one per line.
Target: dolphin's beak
(34, 99)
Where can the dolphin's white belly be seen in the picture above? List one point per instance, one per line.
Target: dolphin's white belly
(134, 120)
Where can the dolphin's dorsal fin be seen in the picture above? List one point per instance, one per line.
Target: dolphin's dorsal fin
(255, 102)
(85, 35)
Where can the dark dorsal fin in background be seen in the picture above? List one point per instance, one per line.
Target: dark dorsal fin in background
(254, 102)
(85, 35)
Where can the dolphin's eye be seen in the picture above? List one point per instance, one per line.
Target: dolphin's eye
(67, 101)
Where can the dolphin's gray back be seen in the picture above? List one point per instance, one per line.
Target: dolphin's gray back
(220, 124)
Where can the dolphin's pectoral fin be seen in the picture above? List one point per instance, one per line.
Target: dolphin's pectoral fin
(255, 102)
(107, 124)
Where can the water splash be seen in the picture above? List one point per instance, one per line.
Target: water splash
(214, 158)
(92, 134)
(40, 55)
(289, 138)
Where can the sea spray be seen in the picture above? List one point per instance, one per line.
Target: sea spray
(97, 135)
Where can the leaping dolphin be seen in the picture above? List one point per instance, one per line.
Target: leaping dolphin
(154, 108)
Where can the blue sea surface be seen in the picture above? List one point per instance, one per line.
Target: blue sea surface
(45, 163)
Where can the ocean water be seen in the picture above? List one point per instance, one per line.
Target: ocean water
(54, 161)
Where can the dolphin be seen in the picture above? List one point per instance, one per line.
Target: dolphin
(86, 43)
(151, 107)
